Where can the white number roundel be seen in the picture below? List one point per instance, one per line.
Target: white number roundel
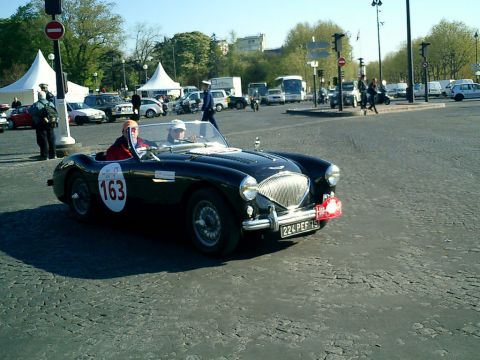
(112, 187)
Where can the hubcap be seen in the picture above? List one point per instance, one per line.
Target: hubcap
(206, 223)
(80, 197)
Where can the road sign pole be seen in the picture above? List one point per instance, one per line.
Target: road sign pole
(63, 138)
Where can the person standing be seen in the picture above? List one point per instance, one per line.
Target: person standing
(362, 87)
(372, 92)
(44, 128)
(16, 103)
(208, 105)
(136, 102)
(50, 96)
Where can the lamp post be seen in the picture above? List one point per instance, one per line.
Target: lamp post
(378, 3)
(51, 57)
(173, 55)
(477, 70)
(125, 87)
(95, 79)
(145, 67)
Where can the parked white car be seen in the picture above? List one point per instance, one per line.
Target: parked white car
(275, 96)
(150, 107)
(3, 120)
(465, 91)
(80, 113)
(219, 99)
(434, 89)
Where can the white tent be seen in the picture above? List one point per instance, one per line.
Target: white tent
(160, 81)
(27, 87)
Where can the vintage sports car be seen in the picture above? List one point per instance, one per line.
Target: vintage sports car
(220, 192)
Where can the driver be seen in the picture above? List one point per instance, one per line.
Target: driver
(176, 132)
(119, 150)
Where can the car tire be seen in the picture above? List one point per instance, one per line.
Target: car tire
(79, 198)
(387, 101)
(210, 223)
(458, 97)
(239, 105)
(150, 113)
(11, 124)
(218, 107)
(2, 129)
(78, 120)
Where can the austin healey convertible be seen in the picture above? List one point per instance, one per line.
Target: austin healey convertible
(220, 193)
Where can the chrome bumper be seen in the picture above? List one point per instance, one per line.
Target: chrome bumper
(273, 221)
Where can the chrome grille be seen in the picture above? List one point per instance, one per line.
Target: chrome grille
(286, 189)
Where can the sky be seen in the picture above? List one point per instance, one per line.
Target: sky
(275, 18)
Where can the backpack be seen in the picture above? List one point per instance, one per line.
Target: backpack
(49, 115)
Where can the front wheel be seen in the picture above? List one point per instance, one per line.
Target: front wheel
(210, 223)
(218, 107)
(458, 97)
(387, 101)
(11, 124)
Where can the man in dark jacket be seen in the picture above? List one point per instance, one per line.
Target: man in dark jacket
(136, 103)
(208, 104)
(50, 97)
(44, 130)
(16, 103)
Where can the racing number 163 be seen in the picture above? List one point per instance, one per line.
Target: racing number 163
(112, 190)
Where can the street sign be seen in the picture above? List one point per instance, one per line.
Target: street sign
(317, 54)
(425, 64)
(54, 30)
(341, 61)
(317, 45)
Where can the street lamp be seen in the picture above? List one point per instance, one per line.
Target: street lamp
(95, 78)
(145, 67)
(477, 70)
(51, 57)
(124, 77)
(173, 56)
(378, 3)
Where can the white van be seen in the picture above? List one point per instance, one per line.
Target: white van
(219, 99)
(434, 89)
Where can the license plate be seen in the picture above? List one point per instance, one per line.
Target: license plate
(298, 228)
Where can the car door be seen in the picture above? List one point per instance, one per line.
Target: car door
(475, 90)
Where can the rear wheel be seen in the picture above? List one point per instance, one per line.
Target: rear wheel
(79, 197)
(218, 107)
(210, 223)
(150, 113)
(239, 105)
(387, 101)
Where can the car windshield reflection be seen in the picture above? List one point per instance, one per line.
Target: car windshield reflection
(177, 136)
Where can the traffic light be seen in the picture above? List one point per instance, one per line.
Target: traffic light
(362, 64)
(343, 74)
(337, 42)
(423, 49)
(335, 81)
(53, 7)
(320, 73)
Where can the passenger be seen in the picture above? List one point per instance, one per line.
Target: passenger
(176, 132)
(119, 150)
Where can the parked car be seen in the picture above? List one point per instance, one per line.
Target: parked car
(434, 89)
(238, 102)
(112, 104)
(219, 99)
(20, 117)
(275, 96)
(465, 91)
(217, 192)
(3, 117)
(80, 113)
(150, 107)
(350, 93)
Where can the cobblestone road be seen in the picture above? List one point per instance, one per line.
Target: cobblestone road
(397, 277)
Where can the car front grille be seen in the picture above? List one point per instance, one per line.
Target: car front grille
(286, 189)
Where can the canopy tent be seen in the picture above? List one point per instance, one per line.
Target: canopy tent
(160, 81)
(26, 88)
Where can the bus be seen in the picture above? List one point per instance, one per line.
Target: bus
(293, 86)
(260, 87)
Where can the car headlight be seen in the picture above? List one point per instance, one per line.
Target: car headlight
(248, 188)
(332, 174)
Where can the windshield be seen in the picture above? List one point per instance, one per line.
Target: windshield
(78, 106)
(113, 99)
(274, 92)
(292, 86)
(164, 137)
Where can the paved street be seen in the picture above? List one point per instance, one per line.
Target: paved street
(397, 277)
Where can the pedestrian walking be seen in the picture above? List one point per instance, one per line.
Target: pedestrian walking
(208, 105)
(362, 87)
(45, 118)
(16, 103)
(372, 92)
(136, 102)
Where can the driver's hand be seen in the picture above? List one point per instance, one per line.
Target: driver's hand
(192, 138)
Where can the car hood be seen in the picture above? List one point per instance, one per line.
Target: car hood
(88, 112)
(258, 164)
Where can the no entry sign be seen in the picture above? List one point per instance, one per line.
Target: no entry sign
(54, 30)
(341, 61)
